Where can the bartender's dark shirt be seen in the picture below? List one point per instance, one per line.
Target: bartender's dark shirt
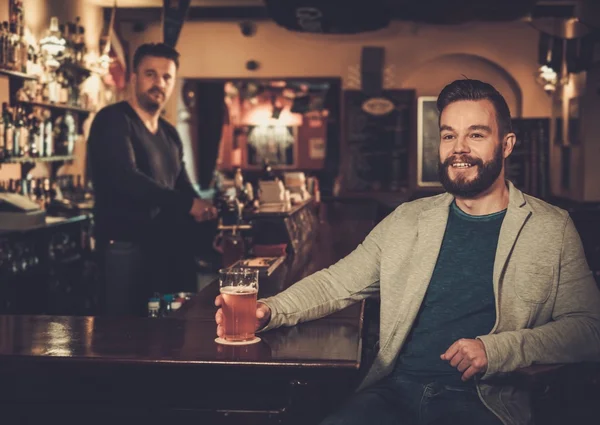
(137, 176)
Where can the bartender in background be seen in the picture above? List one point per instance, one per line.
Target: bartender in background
(144, 201)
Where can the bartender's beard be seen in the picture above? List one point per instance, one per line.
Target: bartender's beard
(147, 100)
(487, 173)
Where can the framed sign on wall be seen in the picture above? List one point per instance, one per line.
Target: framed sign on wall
(428, 140)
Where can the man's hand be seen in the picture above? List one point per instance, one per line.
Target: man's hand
(468, 356)
(202, 210)
(263, 314)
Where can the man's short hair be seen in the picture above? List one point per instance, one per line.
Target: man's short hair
(477, 90)
(158, 50)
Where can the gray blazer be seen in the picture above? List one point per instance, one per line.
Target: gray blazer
(547, 302)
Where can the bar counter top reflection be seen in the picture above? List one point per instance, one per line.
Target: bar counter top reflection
(103, 367)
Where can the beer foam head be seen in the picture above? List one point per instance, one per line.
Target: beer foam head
(238, 290)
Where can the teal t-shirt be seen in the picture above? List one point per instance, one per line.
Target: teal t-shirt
(459, 302)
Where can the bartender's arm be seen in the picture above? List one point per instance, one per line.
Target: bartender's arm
(201, 210)
(110, 146)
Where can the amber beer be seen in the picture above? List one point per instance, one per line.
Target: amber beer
(239, 289)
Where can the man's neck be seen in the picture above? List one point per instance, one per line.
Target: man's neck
(493, 200)
(149, 119)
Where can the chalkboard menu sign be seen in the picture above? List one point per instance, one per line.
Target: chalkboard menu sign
(528, 166)
(377, 132)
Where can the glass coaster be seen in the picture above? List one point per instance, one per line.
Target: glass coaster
(220, 340)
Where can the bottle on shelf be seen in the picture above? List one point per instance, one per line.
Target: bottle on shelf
(63, 88)
(54, 87)
(39, 193)
(23, 52)
(34, 139)
(48, 134)
(3, 147)
(9, 46)
(80, 48)
(8, 129)
(3, 48)
(18, 129)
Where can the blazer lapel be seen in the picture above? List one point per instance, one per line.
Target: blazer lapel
(516, 216)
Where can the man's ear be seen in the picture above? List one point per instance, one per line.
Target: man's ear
(509, 143)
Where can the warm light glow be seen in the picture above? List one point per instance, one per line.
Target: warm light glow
(263, 115)
(548, 78)
(59, 340)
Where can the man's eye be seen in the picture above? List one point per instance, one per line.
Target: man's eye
(447, 137)
(476, 135)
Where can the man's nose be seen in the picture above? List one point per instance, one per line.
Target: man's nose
(461, 145)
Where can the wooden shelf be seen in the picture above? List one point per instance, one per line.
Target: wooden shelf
(17, 74)
(56, 106)
(26, 160)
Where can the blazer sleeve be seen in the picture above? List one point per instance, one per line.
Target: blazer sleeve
(573, 335)
(351, 279)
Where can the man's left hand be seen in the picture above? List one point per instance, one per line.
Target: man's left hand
(468, 356)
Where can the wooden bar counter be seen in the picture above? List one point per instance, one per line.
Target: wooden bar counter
(129, 370)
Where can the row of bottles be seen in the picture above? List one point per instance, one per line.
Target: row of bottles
(35, 134)
(43, 191)
(58, 81)
(163, 306)
(67, 40)
(15, 52)
(61, 86)
(74, 35)
(14, 49)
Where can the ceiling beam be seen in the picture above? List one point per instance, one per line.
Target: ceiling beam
(195, 13)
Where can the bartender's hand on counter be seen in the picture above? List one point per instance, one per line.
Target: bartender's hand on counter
(203, 210)
(263, 314)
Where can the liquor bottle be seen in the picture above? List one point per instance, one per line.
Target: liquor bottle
(63, 93)
(48, 135)
(3, 147)
(8, 128)
(39, 193)
(34, 137)
(6, 46)
(23, 122)
(49, 193)
(33, 192)
(53, 88)
(23, 52)
(19, 124)
(24, 188)
(80, 49)
(71, 132)
(11, 46)
(2, 46)
(65, 29)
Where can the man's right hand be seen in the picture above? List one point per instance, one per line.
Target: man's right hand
(203, 210)
(263, 315)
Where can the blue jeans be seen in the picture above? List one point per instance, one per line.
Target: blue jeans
(403, 400)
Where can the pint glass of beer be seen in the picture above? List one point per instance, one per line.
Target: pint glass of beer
(239, 288)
